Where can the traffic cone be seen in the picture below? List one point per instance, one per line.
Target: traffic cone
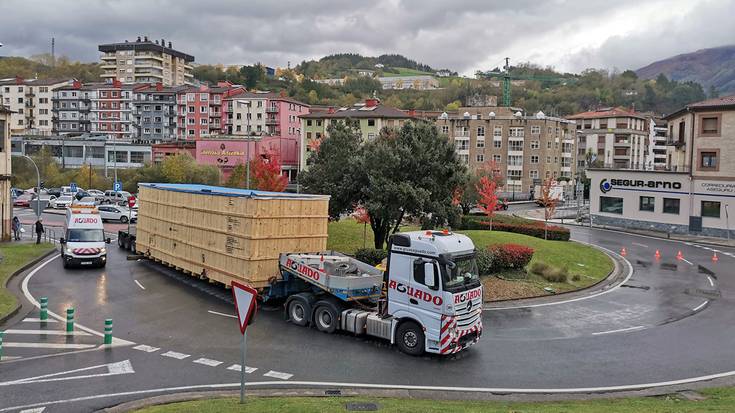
(623, 252)
(715, 258)
(658, 255)
(679, 256)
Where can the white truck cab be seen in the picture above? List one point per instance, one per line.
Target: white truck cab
(84, 241)
(432, 281)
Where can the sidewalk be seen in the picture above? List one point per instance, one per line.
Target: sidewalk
(538, 215)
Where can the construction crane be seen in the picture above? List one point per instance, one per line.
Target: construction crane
(508, 77)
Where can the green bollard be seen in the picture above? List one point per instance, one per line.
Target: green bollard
(44, 309)
(108, 331)
(69, 320)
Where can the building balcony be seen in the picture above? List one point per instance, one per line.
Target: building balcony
(271, 109)
(675, 143)
(271, 121)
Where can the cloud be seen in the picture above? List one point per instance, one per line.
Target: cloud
(464, 35)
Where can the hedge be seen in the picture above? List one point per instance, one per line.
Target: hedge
(370, 256)
(522, 226)
(503, 256)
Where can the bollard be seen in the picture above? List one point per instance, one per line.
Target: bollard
(108, 331)
(69, 320)
(44, 309)
(1, 345)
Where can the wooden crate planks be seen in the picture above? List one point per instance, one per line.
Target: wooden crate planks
(225, 233)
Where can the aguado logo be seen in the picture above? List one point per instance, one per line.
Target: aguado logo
(605, 186)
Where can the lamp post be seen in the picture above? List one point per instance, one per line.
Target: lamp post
(727, 222)
(38, 184)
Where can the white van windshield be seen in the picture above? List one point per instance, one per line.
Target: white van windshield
(85, 235)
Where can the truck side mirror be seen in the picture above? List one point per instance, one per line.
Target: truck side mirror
(430, 279)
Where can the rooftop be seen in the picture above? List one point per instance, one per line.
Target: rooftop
(145, 45)
(360, 111)
(33, 82)
(725, 102)
(607, 113)
(232, 192)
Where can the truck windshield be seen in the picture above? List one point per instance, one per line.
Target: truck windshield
(85, 235)
(461, 274)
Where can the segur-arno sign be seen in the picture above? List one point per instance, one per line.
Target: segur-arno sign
(606, 185)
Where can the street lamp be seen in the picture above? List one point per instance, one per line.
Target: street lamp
(727, 223)
(38, 184)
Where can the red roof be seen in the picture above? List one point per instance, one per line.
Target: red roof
(723, 101)
(607, 113)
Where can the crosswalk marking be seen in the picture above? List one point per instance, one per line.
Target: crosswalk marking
(175, 355)
(207, 362)
(38, 320)
(49, 345)
(278, 375)
(147, 349)
(237, 367)
(48, 332)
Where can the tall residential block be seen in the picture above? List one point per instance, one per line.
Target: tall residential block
(146, 61)
(616, 136)
(30, 100)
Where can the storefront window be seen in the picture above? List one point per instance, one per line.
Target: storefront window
(611, 205)
(671, 206)
(647, 203)
(710, 209)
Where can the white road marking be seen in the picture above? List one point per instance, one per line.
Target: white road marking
(113, 369)
(38, 320)
(686, 261)
(116, 342)
(38, 410)
(237, 367)
(175, 355)
(222, 314)
(48, 332)
(640, 245)
(618, 331)
(8, 358)
(711, 283)
(48, 345)
(586, 297)
(278, 375)
(147, 349)
(139, 284)
(699, 307)
(207, 362)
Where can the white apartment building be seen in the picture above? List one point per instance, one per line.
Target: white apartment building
(146, 61)
(30, 102)
(617, 137)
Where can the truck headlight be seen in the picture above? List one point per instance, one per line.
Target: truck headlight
(103, 250)
(68, 251)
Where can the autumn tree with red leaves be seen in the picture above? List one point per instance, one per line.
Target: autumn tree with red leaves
(265, 174)
(487, 191)
(362, 216)
(549, 203)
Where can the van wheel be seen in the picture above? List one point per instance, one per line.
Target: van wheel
(64, 263)
(410, 338)
(326, 318)
(299, 311)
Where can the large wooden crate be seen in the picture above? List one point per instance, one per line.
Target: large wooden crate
(228, 234)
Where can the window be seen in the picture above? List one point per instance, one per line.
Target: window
(710, 125)
(535, 145)
(711, 209)
(445, 129)
(497, 144)
(464, 158)
(202, 109)
(535, 130)
(517, 132)
(514, 174)
(480, 158)
(370, 136)
(647, 203)
(498, 131)
(371, 122)
(137, 157)
(611, 205)
(481, 143)
(708, 160)
(671, 206)
(515, 145)
(533, 174)
(548, 145)
(497, 158)
(548, 159)
(480, 131)
(534, 158)
(419, 272)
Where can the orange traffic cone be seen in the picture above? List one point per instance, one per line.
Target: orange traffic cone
(623, 252)
(715, 258)
(658, 255)
(679, 256)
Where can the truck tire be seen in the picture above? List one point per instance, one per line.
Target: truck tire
(326, 317)
(410, 338)
(299, 310)
(132, 246)
(120, 242)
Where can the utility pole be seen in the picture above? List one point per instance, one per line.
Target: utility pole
(506, 83)
(53, 52)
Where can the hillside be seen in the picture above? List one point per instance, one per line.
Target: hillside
(346, 64)
(40, 66)
(708, 67)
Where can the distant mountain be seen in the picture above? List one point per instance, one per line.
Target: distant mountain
(708, 67)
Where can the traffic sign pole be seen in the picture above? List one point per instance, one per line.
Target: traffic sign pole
(242, 367)
(245, 307)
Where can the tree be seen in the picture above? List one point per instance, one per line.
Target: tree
(362, 217)
(265, 174)
(468, 195)
(549, 203)
(237, 178)
(251, 75)
(487, 190)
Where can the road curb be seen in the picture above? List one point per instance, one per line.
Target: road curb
(21, 270)
(614, 277)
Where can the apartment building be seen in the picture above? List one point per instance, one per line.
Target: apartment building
(111, 110)
(409, 82)
(30, 100)
(370, 118)
(616, 136)
(146, 61)
(71, 106)
(526, 149)
(694, 194)
(6, 206)
(155, 113)
(200, 113)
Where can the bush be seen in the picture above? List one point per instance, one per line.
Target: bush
(510, 255)
(484, 262)
(518, 226)
(550, 273)
(370, 255)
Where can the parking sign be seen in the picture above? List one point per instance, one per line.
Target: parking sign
(117, 186)
(73, 187)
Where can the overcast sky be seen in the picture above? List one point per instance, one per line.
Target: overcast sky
(461, 35)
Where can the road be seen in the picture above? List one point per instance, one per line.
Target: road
(669, 321)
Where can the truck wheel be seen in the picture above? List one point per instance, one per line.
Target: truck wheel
(410, 338)
(299, 311)
(119, 241)
(64, 263)
(326, 318)
(132, 246)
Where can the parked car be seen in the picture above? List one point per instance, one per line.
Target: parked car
(54, 191)
(61, 202)
(502, 204)
(97, 194)
(24, 200)
(16, 192)
(116, 197)
(86, 201)
(116, 213)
